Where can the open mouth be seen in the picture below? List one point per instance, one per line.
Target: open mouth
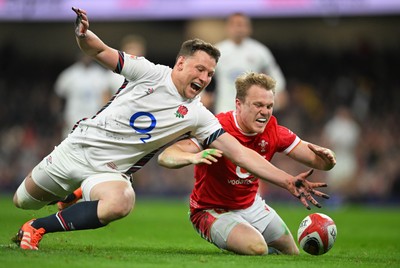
(195, 86)
(261, 120)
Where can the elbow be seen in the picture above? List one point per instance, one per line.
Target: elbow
(161, 160)
(238, 158)
(167, 162)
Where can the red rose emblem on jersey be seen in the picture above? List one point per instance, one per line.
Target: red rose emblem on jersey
(181, 112)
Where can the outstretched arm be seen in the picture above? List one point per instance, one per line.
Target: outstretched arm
(91, 44)
(185, 153)
(261, 168)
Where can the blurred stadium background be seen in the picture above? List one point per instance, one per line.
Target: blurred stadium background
(335, 54)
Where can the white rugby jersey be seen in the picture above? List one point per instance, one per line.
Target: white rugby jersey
(144, 115)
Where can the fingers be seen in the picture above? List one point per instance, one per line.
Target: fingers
(311, 171)
(300, 182)
(318, 184)
(205, 161)
(209, 153)
(78, 11)
(321, 151)
(307, 197)
(316, 149)
(305, 190)
(209, 160)
(313, 201)
(306, 174)
(313, 148)
(209, 156)
(320, 194)
(81, 22)
(303, 200)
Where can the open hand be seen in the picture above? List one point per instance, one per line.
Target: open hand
(304, 189)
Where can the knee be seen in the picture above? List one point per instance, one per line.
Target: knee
(16, 201)
(123, 205)
(250, 248)
(120, 210)
(22, 199)
(118, 207)
(259, 248)
(244, 239)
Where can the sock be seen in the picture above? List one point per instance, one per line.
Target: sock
(80, 216)
(273, 251)
(69, 198)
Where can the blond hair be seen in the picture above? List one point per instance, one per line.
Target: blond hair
(246, 80)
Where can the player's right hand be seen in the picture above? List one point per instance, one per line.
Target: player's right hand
(81, 22)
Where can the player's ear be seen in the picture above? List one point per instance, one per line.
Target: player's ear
(237, 104)
(179, 63)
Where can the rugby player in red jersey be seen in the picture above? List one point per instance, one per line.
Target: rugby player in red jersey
(225, 207)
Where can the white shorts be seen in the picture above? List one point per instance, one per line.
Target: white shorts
(215, 225)
(66, 169)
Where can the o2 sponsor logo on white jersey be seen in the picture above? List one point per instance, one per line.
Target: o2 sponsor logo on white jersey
(143, 131)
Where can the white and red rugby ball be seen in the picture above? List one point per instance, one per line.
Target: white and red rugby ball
(317, 234)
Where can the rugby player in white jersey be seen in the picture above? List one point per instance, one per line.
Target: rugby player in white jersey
(155, 106)
(225, 207)
(240, 53)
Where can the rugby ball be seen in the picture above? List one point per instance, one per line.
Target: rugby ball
(317, 234)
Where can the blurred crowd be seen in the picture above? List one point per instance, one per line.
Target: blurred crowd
(346, 100)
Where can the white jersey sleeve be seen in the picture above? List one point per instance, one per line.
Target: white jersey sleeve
(136, 68)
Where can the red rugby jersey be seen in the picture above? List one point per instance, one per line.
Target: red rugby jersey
(224, 185)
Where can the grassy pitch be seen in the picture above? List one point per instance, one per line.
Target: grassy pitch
(159, 234)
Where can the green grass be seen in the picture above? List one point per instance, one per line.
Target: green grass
(158, 234)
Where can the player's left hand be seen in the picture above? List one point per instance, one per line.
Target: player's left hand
(207, 156)
(325, 154)
(304, 189)
(81, 22)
